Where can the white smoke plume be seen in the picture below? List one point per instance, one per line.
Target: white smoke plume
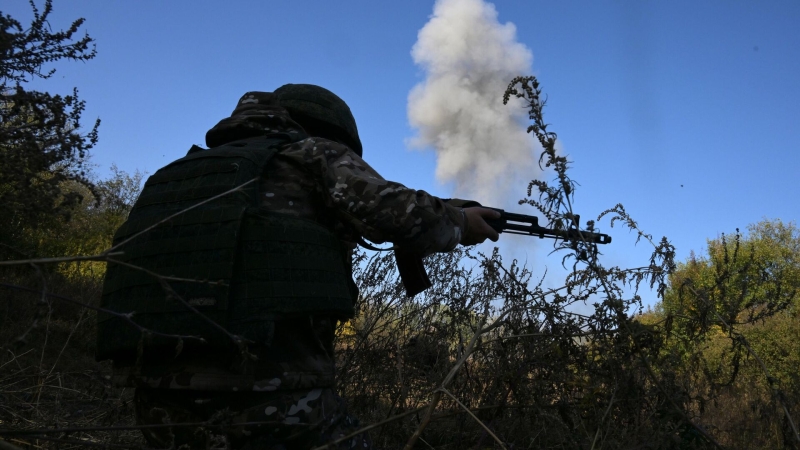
(469, 58)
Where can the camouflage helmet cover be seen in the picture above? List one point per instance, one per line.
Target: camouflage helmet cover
(311, 103)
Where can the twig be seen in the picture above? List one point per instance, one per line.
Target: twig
(520, 336)
(14, 249)
(164, 277)
(14, 358)
(426, 443)
(464, 407)
(370, 427)
(125, 317)
(597, 434)
(230, 191)
(437, 395)
(5, 445)
(64, 347)
(99, 257)
(82, 442)
(38, 315)
(239, 341)
(7, 432)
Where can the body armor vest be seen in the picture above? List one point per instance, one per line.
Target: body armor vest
(235, 263)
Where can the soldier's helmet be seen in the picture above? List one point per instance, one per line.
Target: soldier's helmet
(321, 112)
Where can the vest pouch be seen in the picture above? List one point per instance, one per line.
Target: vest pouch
(287, 267)
(198, 247)
(195, 252)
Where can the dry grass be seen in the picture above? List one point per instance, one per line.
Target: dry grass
(50, 379)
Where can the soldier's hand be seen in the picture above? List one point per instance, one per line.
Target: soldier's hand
(477, 228)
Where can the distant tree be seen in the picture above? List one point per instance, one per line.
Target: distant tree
(41, 141)
(742, 280)
(93, 222)
(733, 332)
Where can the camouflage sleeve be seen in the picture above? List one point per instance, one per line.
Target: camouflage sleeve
(378, 209)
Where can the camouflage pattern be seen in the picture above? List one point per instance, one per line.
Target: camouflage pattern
(266, 265)
(298, 419)
(326, 182)
(299, 355)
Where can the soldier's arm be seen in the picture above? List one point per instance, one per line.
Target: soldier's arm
(382, 210)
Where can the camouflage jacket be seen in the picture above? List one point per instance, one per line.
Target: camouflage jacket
(326, 182)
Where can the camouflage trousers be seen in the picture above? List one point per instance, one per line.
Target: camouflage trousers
(281, 420)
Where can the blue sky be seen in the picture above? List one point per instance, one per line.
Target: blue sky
(685, 112)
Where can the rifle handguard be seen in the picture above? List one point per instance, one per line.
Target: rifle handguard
(529, 226)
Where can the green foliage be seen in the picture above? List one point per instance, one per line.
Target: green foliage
(41, 143)
(93, 222)
(732, 332)
(48, 375)
(741, 280)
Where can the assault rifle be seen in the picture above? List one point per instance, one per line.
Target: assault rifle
(415, 278)
(529, 226)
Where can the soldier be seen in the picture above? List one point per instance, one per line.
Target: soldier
(281, 245)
